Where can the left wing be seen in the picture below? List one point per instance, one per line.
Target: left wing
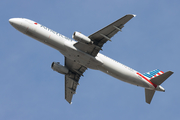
(72, 79)
(102, 36)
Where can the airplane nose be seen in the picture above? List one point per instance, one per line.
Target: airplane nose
(11, 21)
(15, 22)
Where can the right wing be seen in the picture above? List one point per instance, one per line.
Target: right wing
(102, 36)
(72, 78)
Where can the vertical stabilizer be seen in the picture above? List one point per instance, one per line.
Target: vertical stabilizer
(149, 95)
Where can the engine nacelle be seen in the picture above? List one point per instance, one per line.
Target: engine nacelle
(56, 66)
(81, 38)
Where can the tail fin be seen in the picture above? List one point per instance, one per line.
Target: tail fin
(158, 80)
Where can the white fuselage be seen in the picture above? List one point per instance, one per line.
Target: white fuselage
(66, 47)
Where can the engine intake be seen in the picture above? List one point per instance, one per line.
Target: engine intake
(56, 66)
(81, 38)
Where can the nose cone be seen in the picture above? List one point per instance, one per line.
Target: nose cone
(17, 23)
(11, 20)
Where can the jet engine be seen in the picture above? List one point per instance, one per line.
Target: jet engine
(56, 66)
(81, 38)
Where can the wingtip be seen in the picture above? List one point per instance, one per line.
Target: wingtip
(171, 72)
(148, 102)
(134, 15)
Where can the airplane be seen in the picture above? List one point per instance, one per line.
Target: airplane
(84, 53)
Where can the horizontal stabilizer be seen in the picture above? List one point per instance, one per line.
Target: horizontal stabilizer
(161, 78)
(149, 95)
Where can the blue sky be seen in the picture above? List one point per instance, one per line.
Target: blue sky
(31, 90)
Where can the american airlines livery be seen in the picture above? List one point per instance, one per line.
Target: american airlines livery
(85, 54)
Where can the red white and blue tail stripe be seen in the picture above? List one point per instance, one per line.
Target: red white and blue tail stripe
(153, 74)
